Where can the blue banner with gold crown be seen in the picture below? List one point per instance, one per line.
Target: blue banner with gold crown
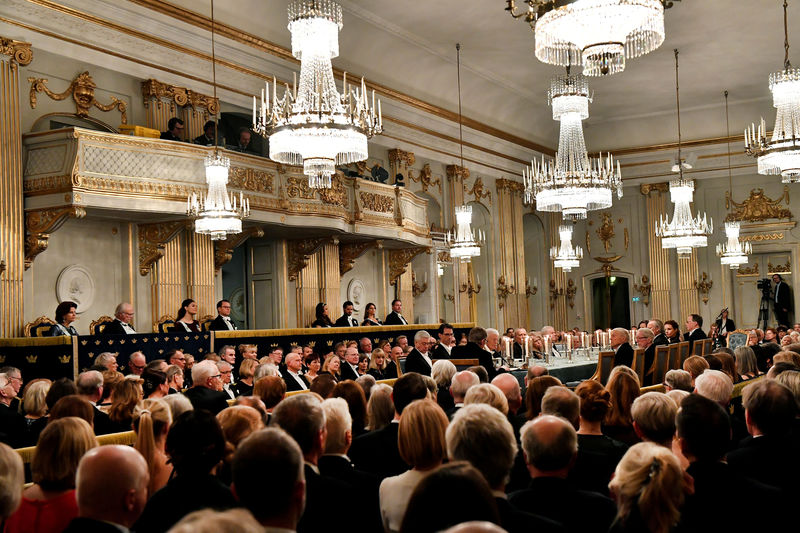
(40, 357)
(152, 345)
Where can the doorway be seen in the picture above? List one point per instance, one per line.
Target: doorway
(611, 303)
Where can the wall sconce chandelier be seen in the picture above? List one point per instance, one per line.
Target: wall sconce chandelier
(781, 153)
(313, 125)
(733, 252)
(598, 34)
(565, 256)
(218, 214)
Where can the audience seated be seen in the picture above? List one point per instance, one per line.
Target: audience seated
(537, 386)
(127, 395)
(12, 478)
(488, 394)
(695, 365)
(151, 423)
(12, 424)
(178, 404)
(551, 445)
(210, 521)
(442, 373)
(649, 487)
(623, 385)
(460, 384)
(90, 386)
(353, 394)
(654, 418)
(560, 401)
(237, 423)
(677, 379)
(35, 409)
(206, 393)
(73, 406)
(380, 409)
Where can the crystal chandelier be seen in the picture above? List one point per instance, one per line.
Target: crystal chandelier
(313, 125)
(598, 34)
(684, 231)
(565, 256)
(218, 214)
(733, 253)
(781, 153)
(574, 183)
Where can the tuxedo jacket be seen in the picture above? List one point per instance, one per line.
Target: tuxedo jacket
(649, 357)
(624, 355)
(376, 452)
(114, 328)
(292, 384)
(345, 321)
(660, 340)
(416, 363)
(696, 335)
(347, 372)
(515, 521)
(394, 319)
(782, 298)
(364, 484)
(324, 512)
(205, 398)
(472, 351)
(90, 525)
(218, 324)
(440, 352)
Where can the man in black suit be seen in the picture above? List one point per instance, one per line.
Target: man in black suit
(349, 368)
(550, 444)
(346, 320)
(12, 424)
(783, 300)
(418, 359)
(694, 331)
(302, 417)
(518, 345)
(121, 323)
(657, 327)
(476, 349)
(207, 137)
(619, 343)
(477, 428)
(270, 454)
(376, 452)
(704, 434)
(460, 384)
(111, 490)
(294, 380)
(90, 386)
(174, 130)
(644, 340)
(394, 318)
(444, 348)
(206, 393)
(223, 320)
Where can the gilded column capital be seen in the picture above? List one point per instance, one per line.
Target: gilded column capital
(455, 171)
(511, 186)
(153, 239)
(299, 252)
(223, 249)
(349, 252)
(401, 157)
(40, 223)
(399, 260)
(20, 51)
(647, 188)
(156, 90)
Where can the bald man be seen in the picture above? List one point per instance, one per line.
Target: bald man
(109, 503)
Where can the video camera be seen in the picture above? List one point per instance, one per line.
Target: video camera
(765, 286)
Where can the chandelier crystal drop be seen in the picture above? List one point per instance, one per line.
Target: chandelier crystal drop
(313, 125)
(733, 253)
(218, 214)
(565, 256)
(574, 183)
(464, 242)
(599, 34)
(684, 231)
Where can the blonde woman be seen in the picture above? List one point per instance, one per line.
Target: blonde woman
(35, 408)
(151, 422)
(332, 365)
(127, 396)
(247, 370)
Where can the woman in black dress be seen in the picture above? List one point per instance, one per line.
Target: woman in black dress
(65, 315)
(323, 320)
(369, 316)
(185, 320)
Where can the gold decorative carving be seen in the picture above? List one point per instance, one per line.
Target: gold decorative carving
(606, 231)
(777, 236)
(180, 95)
(82, 91)
(443, 257)
(377, 202)
(627, 237)
(513, 187)
(588, 244)
(2, 266)
(758, 207)
(479, 191)
(425, 178)
(336, 195)
(469, 288)
(455, 171)
(223, 249)
(153, 239)
(401, 157)
(298, 188)
(555, 292)
(530, 291)
(748, 271)
(647, 188)
(779, 269)
(251, 179)
(704, 286)
(607, 265)
(644, 289)
(449, 297)
(504, 289)
(349, 252)
(417, 289)
(20, 51)
(299, 252)
(399, 260)
(41, 223)
(571, 290)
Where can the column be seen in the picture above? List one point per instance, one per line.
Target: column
(12, 228)
(512, 256)
(464, 310)
(558, 279)
(656, 197)
(687, 288)
(200, 272)
(167, 286)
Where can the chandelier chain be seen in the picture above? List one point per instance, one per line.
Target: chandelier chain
(214, 75)
(678, 101)
(460, 121)
(786, 64)
(728, 142)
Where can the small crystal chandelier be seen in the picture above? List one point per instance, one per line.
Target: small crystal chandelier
(574, 183)
(781, 153)
(315, 126)
(218, 214)
(683, 232)
(565, 256)
(598, 34)
(733, 253)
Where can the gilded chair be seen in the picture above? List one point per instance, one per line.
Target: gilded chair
(97, 326)
(638, 363)
(164, 324)
(737, 338)
(39, 327)
(605, 362)
(661, 362)
(683, 348)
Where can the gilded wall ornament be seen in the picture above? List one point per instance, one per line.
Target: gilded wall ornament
(455, 171)
(82, 91)
(399, 260)
(779, 269)
(606, 231)
(530, 291)
(336, 195)
(349, 252)
(298, 188)
(555, 292)
(644, 289)
(417, 289)
(180, 96)
(748, 271)
(479, 191)
(20, 51)
(377, 202)
(401, 157)
(703, 285)
(758, 237)
(425, 178)
(647, 188)
(299, 252)
(571, 290)
(588, 244)
(504, 289)
(511, 186)
(251, 179)
(41, 223)
(607, 264)
(627, 239)
(223, 249)
(153, 239)
(758, 207)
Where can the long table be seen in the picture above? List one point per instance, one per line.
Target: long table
(565, 372)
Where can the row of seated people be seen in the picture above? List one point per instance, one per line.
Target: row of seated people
(424, 455)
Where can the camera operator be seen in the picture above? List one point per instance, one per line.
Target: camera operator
(782, 300)
(724, 326)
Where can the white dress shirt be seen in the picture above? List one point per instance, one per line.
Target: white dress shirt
(298, 379)
(228, 323)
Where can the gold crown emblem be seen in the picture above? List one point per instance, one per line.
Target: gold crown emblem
(186, 338)
(155, 339)
(161, 351)
(293, 344)
(31, 358)
(329, 343)
(312, 344)
(84, 343)
(97, 343)
(197, 337)
(133, 341)
(2, 358)
(64, 358)
(178, 338)
(145, 339)
(391, 339)
(122, 341)
(273, 345)
(110, 342)
(375, 340)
